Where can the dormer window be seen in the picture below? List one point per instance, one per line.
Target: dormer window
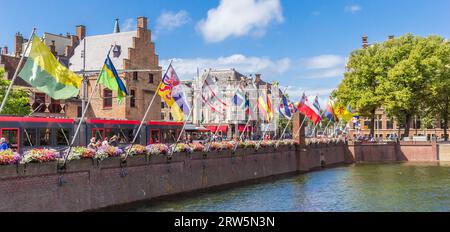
(116, 51)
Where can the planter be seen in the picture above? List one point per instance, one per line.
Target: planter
(137, 160)
(8, 171)
(157, 159)
(80, 165)
(109, 162)
(37, 169)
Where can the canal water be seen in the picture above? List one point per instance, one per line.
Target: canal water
(360, 187)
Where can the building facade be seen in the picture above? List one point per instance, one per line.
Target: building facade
(133, 55)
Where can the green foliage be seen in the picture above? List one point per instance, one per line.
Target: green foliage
(408, 76)
(18, 102)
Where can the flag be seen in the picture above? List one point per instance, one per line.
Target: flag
(329, 112)
(239, 97)
(283, 108)
(247, 105)
(46, 74)
(173, 95)
(211, 96)
(292, 108)
(265, 107)
(343, 112)
(111, 80)
(310, 109)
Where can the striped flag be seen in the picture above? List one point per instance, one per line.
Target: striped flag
(45, 73)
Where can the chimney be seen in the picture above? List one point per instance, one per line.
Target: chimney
(81, 32)
(53, 48)
(142, 22)
(74, 40)
(365, 42)
(18, 44)
(5, 50)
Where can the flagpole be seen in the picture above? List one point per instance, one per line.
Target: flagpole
(245, 129)
(287, 124)
(17, 71)
(185, 122)
(145, 116)
(327, 126)
(268, 124)
(83, 115)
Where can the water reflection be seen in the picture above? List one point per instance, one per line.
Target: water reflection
(362, 187)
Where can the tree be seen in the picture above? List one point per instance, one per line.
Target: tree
(18, 102)
(407, 86)
(366, 69)
(438, 99)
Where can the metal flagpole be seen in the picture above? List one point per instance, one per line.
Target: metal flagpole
(145, 115)
(83, 115)
(17, 71)
(327, 127)
(267, 126)
(185, 121)
(285, 127)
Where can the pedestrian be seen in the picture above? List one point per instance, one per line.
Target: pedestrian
(105, 142)
(113, 141)
(4, 145)
(92, 144)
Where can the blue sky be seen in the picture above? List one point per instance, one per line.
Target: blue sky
(300, 43)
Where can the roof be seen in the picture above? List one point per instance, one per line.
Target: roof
(97, 48)
(224, 75)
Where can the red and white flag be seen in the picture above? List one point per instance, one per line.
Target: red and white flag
(310, 109)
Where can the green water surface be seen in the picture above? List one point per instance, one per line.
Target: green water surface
(362, 187)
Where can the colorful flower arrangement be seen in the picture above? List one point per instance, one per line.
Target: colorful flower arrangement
(39, 156)
(9, 157)
(103, 152)
(197, 147)
(136, 149)
(157, 149)
(216, 146)
(81, 153)
(181, 147)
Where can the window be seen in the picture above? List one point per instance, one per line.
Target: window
(79, 111)
(116, 51)
(150, 78)
(170, 117)
(379, 125)
(30, 137)
(62, 137)
(133, 98)
(367, 125)
(389, 125)
(107, 98)
(162, 105)
(163, 116)
(55, 106)
(135, 76)
(39, 102)
(45, 136)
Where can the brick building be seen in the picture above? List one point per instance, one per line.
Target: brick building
(62, 47)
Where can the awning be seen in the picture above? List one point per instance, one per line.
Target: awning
(242, 127)
(193, 128)
(222, 129)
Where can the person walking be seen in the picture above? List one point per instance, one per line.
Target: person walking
(4, 144)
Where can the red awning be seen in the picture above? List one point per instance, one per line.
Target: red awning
(242, 127)
(222, 129)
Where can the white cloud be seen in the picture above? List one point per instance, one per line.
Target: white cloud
(187, 68)
(236, 18)
(324, 66)
(128, 25)
(353, 8)
(171, 20)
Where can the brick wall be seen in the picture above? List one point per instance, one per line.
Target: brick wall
(90, 185)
